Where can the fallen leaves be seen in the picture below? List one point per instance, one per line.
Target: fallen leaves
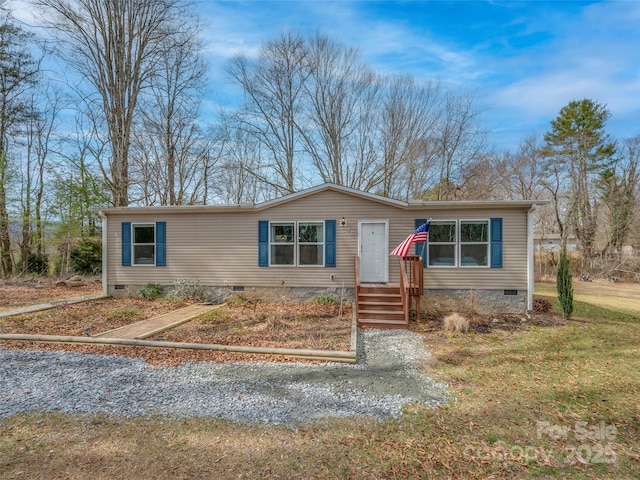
(285, 325)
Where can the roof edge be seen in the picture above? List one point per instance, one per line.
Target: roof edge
(334, 187)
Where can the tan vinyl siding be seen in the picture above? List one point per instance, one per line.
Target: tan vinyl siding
(512, 275)
(221, 248)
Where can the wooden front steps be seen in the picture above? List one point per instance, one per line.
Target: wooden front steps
(380, 306)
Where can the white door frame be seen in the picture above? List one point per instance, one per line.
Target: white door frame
(384, 255)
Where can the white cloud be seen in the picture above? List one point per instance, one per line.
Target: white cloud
(593, 55)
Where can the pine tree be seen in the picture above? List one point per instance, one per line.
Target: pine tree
(565, 286)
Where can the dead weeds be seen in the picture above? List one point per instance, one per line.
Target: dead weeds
(482, 324)
(284, 325)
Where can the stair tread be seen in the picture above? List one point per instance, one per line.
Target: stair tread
(376, 295)
(382, 304)
(378, 311)
(374, 324)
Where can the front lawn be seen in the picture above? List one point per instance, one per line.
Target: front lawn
(528, 402)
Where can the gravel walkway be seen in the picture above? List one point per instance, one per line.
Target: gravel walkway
(385, 379)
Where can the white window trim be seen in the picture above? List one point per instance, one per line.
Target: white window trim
(293, 244)
(456, 250)
(296, 243)
(487, 243)
(457, 261)
(323, 243)
(134, 244)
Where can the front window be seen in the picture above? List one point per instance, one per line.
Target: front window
(296, 243)
(463, 243)
(474, 243)
(282, 241)
(442, 244)
(144, 244)
(310, 243)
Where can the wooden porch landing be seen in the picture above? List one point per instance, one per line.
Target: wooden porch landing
(153, 326)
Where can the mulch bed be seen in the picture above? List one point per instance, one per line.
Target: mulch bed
(17, 293)
(289, 325)
(480, 324)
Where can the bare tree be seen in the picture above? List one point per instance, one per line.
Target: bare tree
(39, 133)
(618, 185)
(168, 136)
(459, 141)
(273, 87)
(338, 84)
(116, 46)
(408, 115)
(236, 181)
(521, 172)
(479, 179)
(18, 75)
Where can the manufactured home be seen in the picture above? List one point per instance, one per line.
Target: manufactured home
(330, 239)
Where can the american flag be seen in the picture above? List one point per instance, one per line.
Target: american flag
(420, 234)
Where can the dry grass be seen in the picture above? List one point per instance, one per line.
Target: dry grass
(624, 296)
(455, 322)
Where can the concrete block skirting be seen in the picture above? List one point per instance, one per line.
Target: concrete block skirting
(487, 302)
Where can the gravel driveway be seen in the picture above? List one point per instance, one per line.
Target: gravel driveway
(387, 377)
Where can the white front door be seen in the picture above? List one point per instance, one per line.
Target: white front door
(374, 255)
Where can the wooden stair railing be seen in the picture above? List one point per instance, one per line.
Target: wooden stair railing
(405, 287)
(411, 283)
(389, 305)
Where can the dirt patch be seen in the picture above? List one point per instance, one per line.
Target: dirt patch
(289, 325)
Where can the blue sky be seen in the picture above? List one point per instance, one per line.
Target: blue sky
(524, 60)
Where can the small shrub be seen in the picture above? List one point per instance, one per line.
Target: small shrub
(86, 257)
(37, 263)
(325, 300)
(542, 305)
(189, 289)
(151, 291)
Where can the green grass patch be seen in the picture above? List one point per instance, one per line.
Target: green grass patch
(124, 314)
(325, 300)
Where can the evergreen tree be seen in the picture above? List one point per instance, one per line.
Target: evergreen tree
(564, 284)
(578, 151)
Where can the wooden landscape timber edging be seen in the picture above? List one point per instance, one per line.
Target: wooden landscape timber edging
(325, 355)
(322, 355)
(50, 305)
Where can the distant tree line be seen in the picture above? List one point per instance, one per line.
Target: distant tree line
(125, 127)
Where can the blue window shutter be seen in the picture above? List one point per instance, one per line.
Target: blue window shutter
(126, 244)
(420, 246)
(161, 244)
(263, 243)
(496, 243)
(329, 243)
